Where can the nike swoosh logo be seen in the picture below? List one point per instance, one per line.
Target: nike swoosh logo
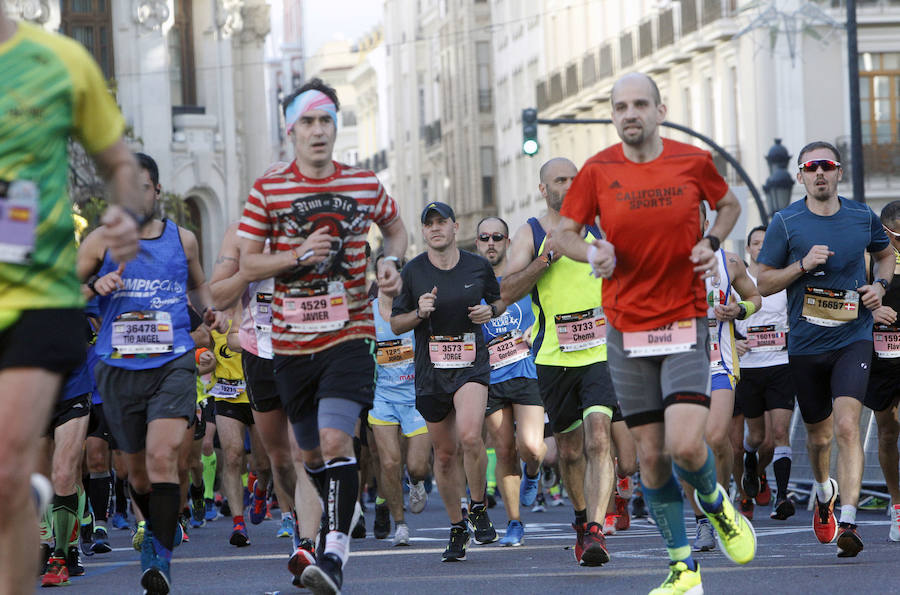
(468, 285)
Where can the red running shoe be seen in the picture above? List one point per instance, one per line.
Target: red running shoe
(57, 575)
(824, 523)
(623, 519)
(595, 552)
(764, 497)
(747, 508)
(579, 540)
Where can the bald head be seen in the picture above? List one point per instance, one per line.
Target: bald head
(554, 165)
(638, 78)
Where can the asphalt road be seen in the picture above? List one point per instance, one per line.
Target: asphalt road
(789, 560)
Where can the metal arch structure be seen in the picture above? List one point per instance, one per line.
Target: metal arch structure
(757, 198)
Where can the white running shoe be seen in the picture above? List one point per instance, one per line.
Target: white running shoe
(42, 490)
(417, 497)
(401, 535)
(895, 523)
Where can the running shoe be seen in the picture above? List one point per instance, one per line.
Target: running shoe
(734, 530)
(382, 525)
(764, 497)
(211, 513)
(198, 511)
(401, 534)
(239, 537)
(287, 526)
(539, 503)
(528, 488)
(595, 552)
(482, 527)
(639, 507)
(848, 542)
(155, 561)
(225, 507)
(137, 535)
(548, 477)
(623, 520)
(747, 508)
(515, 534)
(86, 529)
(73, 561)
(681, 581)
(894, 534)
(609, 524)
(46, 552)
(750, 479)
(417, 497)
(456, 549)
(705, 541)
(873, 503)
(784, 508)
(119, 521)
(183, 530)
(556, 500)
(56, 575)
(491, 496)
(579, 540)
(625, 487)
(325, 577)
(100, 541)
(42, 492)
(258, 505)
(824, 523)
(302, 557)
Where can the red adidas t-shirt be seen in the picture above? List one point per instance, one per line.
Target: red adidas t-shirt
(287, 207)
(650, 213)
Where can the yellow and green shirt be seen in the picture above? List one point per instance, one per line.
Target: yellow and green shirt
(50, 89)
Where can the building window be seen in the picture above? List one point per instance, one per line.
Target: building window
(90, 23)
(879, 92)
(487, 177)
(483, 60)
(182, 80)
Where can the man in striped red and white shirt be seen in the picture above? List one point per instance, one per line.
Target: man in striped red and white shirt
(316, 213)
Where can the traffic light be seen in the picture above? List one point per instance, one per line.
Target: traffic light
(529, 131)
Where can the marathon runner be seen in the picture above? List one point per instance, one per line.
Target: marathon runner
(515, 412)
(147, 368)
(883, 392)
(646, 192)
(394, 413)
(441, 299)
(569, 342)
(815, 248)
(765, 394)
(316, 213)
(51, 88)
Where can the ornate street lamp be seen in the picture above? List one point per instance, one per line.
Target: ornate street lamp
(779, 183)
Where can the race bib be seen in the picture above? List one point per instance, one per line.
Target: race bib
(395, 352)
(316, 309)
(766, 338)
(830, 307)
(675, 337)
(887, 341)
(227, 389)
(18, 220)
(148, 331)
(452, 351)
(507, 349)
(262, 311)
(581, 330)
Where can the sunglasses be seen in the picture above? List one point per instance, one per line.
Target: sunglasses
(893, 233)
(814, 164)
(497, 237)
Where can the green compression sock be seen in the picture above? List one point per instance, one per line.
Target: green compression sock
(491, 469)
(65, 520)
(209, 475)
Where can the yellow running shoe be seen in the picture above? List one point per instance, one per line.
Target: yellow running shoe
(137, 537)
(681, 581)
(736, 534)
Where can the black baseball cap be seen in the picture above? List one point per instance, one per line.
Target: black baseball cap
(443, 209)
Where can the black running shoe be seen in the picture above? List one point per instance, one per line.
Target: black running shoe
(325, 578)
(46, 550)
(783, 509)
(382, 526)
(73, 561)
(848, 542)
(481, 525)
(638, 508)
(359, 529)
(750, 479)
(456, 549)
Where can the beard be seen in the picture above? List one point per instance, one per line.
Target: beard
(555, 200)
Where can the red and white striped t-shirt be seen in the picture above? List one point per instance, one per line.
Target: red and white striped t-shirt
(287, 207)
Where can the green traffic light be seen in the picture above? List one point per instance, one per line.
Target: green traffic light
(530, 147)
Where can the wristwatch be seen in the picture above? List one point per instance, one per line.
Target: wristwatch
(714, 242)
(90, 284)
(396, 260)
(547, 258)
(883, 283)
(493, 311)
(742, 312)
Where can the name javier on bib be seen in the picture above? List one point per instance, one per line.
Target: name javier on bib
(316, 308)
(830, 307)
